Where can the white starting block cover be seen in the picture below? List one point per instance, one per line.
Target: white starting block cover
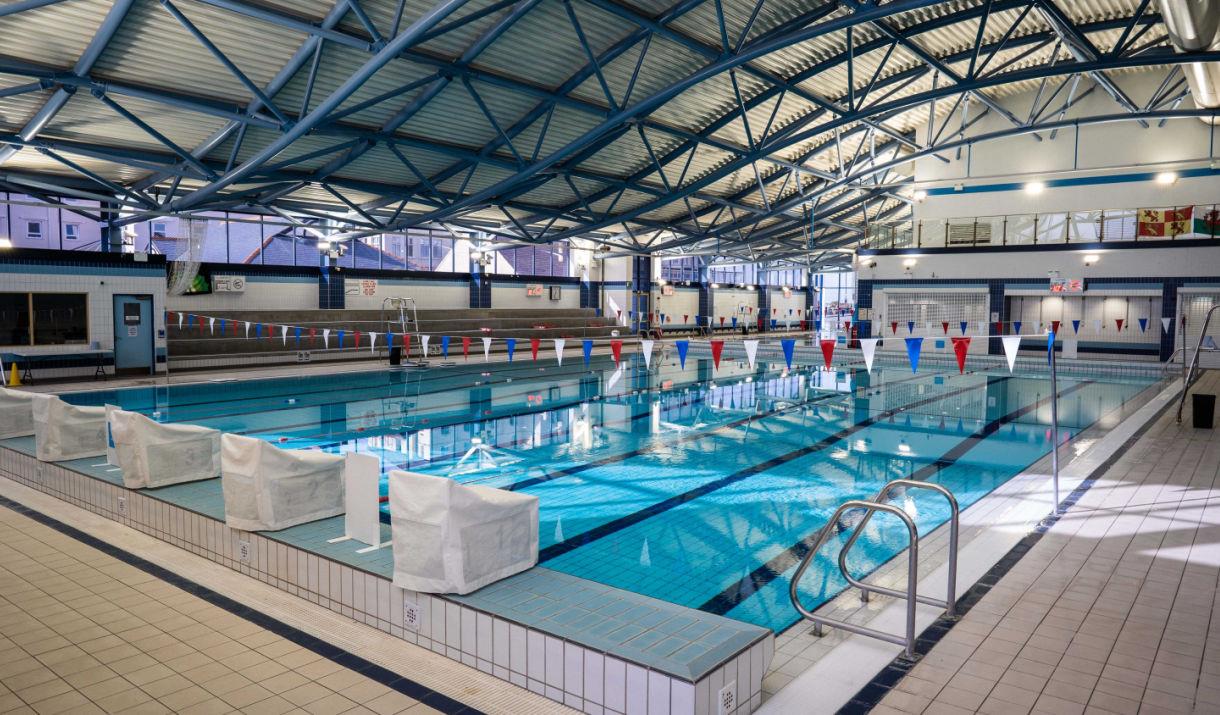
(16, 413)
(63, 431)
(454, 538)
(267, 488)
(152, 454)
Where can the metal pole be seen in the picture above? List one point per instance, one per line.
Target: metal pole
(1054, 423)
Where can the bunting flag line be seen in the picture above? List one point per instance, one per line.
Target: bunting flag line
(445, 346)
(828, 351)
(682, 346)
(1165, 323)
(559, 343)
(587, 348)
(1012, 343)
(751, 348)
(868, 346)
(486, 349)
(616, 349)
(717, 348)
(960, 347)
(914, 345)
(646, 348)
(789, 346)
(1143, 324)
(510, 344)
(535, 343)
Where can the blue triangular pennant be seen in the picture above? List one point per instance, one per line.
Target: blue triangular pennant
(1050, 345)
(963, 325)
(445, 346)
(788, 345)
(1143, 324)
(773, 321)
(258, 330)
(910, 326)
(734, 321)
(297, 335)
(222, 326)
(1016, 327)
(914, 345)
(682, 346)
(1075, 326)
(340, 338)
(587, 346)
(512, 345)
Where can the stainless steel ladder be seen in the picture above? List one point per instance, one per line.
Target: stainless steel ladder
(1188, 376)
(910, 594)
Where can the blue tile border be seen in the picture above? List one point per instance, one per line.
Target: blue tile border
(368, 669)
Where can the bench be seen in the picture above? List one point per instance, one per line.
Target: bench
(49, 360)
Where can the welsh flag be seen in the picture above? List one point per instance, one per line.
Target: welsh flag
(1208, 224)
(1164, 222)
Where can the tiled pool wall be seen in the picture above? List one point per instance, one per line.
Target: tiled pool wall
(582, 678)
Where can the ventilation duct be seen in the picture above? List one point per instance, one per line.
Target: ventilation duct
(1195, 25)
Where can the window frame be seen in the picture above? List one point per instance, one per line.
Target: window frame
(32, 330)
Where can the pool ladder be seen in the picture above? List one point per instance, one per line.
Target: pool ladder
(910, 594)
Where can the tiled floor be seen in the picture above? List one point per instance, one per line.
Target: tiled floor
(82, 632)
(1112, 610)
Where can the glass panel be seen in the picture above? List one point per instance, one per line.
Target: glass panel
(245, 239)
(394, 245)
(15, 319)
(1119, 225)
(367, 251)
(1020, 230)
(1085, 226)
(1052, 228)
(60, 318)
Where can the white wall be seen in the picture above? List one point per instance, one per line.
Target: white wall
(616, 299)
(1121, 147)
(727, 302)
(262, 293)
(428, 295)
(1026, 263)
(512, 295)
(795, 302)
(684, 302)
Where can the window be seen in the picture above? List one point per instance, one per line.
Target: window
(159, 229)
(71, 231)
(33, 230)
(43, 318)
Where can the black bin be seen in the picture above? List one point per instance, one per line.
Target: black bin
(1204, 409)
(396, 355)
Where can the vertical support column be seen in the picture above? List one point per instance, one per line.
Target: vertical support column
(864, 299)
(812, 309)
(1169, 309)
(641, 292)
(330, 288)
(704, 318)
(997, 306)
(480, 286)
(764, 308)
(112, 236)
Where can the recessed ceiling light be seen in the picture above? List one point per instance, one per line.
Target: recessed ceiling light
(920, 195)
(1167, 177)
(1035, 187)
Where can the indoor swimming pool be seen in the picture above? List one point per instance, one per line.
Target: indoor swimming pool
(698, 486)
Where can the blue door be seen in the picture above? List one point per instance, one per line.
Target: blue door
(133, 334)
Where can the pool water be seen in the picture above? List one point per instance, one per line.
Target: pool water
(699, 486)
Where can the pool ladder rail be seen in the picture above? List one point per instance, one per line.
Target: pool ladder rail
(910, 594)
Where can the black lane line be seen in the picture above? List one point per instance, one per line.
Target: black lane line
(760, 577)
(368, 669)
(616, 525)
(727, 426)
(871, 694)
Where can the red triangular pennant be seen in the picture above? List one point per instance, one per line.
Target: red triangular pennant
(616, 348)
(944, 325)
(1055, 326)
(1119, 323)
(466, 347)
(717, 349)
(894, 327)
(534, 343)
(828, 351)
(960, 347)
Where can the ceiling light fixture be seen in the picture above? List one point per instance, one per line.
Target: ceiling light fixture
(1035, 187)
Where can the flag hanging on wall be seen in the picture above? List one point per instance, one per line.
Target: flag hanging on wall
(1164, 222)
(1207, 223)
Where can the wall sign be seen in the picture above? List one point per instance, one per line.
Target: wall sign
(1067, 285)
(667, 289)
(556, 292)
(229, 284)
(533, 290)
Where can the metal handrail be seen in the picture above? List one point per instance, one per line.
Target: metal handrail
(1194, 362)
(950, 601)
(911, 595)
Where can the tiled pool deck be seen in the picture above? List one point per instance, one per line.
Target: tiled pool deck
(588, 645)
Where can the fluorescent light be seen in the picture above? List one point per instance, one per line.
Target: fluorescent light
(1167, 177)
(1035, 187)
(909, 263)
(1091, 258)
(715, 286)
(323, 245)
(920, 195)
(6, 243)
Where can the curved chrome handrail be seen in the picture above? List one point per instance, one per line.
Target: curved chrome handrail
(907, 641)
(950, 602)
(1194, 362)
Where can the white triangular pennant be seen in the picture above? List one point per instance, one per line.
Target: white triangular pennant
(559, 343)
(868, 346)
(646, 348)
(423, 341)
(372, 342)
(751, 347)
(180, 321)
(247, 329)
(1165, 323)
(486, 349)
(284, 333)
(1012, 343)
(326, 337)
(212, 326)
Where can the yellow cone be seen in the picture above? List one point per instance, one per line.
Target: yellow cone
(13, 379)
